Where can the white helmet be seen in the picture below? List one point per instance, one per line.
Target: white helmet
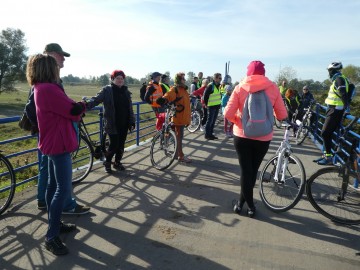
(335, 65)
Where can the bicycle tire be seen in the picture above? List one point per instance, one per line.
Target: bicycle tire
(323, 189)
(163, 150)
(7, 183)
(82, 160)
(195, 122)
(280, 197)
(301, 134)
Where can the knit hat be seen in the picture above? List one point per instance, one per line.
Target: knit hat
(255, 68)
(116, 73)
(155, 74)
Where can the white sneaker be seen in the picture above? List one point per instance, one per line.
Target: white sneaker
(202, 128)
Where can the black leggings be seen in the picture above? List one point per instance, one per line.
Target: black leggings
(250, 153)
(331, 123)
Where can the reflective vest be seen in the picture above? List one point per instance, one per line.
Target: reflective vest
(296, 99)
(199, 83)
(157, 93)
(333, 97)
(215, 97)
(166, 86)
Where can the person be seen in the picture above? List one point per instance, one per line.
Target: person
(55, 113)
(194, 85)
(293, 105)
(165, 83)
(283, 87)
(306, 97)
(212, 100)
(337, 103)
(118, 117)
(251, 151)
(71, 207)
(199, 94)
(153, 92)
(228, 126)
(200, 79)
(179, 94)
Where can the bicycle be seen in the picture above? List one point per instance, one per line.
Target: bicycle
(7, 183)
(304, 125)
(282, 179)
(332, 191)
(83, 156)
(163, 148)
(197, 115)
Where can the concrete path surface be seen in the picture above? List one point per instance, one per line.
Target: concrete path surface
(180, 218)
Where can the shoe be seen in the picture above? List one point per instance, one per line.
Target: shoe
(56, 246)
(236, 207)
(326, 161)
(215, 138)
(209, 138)
(78, 210)
(318, 159)
(107, 167)
(184, 160)
(118, 166)
(41, 205)
(202, 128)
(251, 212)
(67, 227)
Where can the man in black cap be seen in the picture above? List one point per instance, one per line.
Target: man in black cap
(70, 207)
(153, 92)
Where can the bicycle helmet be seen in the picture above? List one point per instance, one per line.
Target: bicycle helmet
(335, 66)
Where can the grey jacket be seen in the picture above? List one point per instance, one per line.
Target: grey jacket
(105, 96)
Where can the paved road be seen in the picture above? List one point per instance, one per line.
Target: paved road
(179, 219)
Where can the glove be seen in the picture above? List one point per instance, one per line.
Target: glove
(131, 127)
(161, 101)
(77, 108)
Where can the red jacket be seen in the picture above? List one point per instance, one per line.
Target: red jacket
(56, 131)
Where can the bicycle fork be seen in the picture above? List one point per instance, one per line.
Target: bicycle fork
(281, 165)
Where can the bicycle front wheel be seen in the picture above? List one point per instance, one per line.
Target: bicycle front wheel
(163, 150)
(301, 134)
(82, 160)
(7, 183)
(324, 191)
(195, 122)
(280, 196)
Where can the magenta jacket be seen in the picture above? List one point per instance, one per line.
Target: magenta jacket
(56, 131)
(251, 84)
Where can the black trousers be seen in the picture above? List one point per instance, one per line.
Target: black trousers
(331, 123)
(117, 145)
(250, 154)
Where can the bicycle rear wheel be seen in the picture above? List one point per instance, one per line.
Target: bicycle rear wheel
(195, 122)
(282, 196)
(301, 134)
(323, 191)
(7, 183)
(163, 150)
(82, 160)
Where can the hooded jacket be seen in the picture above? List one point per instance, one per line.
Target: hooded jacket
(181, 118)
(252, 84)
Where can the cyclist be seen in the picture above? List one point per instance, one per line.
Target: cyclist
(337, 102)
(178, 94)
(199, 94)
(293, 105)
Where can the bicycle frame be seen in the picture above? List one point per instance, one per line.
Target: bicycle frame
(284, 150)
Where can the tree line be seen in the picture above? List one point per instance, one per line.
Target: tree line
(13, 60)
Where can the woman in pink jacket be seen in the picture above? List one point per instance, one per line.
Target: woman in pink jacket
(55, 113)
(251, 151)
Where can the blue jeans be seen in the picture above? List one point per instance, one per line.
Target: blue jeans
(58, 190)
(70, 202)
(213, 112)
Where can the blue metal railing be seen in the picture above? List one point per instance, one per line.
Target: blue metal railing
(142, 125)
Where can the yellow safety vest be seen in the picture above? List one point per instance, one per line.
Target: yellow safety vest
(166, 87)
(215, 97)
(333, 97)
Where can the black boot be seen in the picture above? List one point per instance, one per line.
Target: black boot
(107, 167)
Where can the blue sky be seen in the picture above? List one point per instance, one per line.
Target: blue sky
(142, 36)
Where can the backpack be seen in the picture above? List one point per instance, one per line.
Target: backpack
(257, 115)
(143, 91)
